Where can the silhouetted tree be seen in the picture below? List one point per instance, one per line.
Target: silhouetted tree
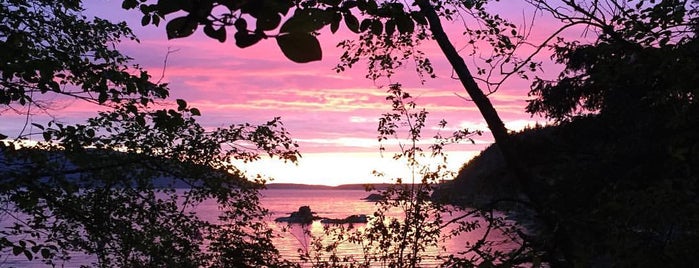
(643, 57)
(106, 188)
(632, 91)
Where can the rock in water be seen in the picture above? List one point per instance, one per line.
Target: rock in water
(374, 198)
(304, 216)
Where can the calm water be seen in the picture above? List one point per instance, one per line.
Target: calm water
(340, 204)
(281, 202)
(334, 204)
(325, 203)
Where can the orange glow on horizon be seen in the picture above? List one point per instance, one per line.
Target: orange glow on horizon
(334, 169)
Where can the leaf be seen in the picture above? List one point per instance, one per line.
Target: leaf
(330, 2)
(371, 6)
(219, 34)
(145, 20)
(102, 97)
(347, 5)
(140, 120)
(405, 24)
(300, 47)
(244, 39)
(181, 104)
(366, 23)
(45, 253)
(468, 4)
(390, 27)
(47, 136)
(129, 4)
(376, 27)
(181, 27)
(352, 22)
(241, 24)
(3, 136)
(38, 126)
(335, 24)
(156, 20)
(17, 250)
(195, 112)
(306, 22)
(418, 17)
(165, 7)
(268, 22)
(54, 86)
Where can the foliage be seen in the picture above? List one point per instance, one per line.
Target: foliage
(644, 57)
(409, 229)
(404, 241)
(625, 194)
(107, 188)
(389, 32)
(630, 184)
(50, 49)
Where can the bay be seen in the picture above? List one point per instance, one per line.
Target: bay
(292, 238)
(339, 204)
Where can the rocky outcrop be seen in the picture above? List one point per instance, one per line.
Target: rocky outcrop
(360, 218)
(304, 216)
(374, 198)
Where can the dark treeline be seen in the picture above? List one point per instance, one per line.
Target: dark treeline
(619, 167)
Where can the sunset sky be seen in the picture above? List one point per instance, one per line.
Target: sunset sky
(333, 116)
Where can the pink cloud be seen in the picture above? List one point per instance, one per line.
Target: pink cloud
(327, 112)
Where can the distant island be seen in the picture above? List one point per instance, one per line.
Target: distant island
(358, 186)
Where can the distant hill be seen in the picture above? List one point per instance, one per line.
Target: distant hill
(591, 164)
(96, 168)
(622, 189)
(553, 154)
(293, 186)
(118, 163)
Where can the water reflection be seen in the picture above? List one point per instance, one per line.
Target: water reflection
(312, 241)
(295, 240)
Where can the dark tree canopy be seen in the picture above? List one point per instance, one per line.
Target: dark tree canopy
(621, 166)
(644, 57)
(389, 32)
(50, 48)
(107, 187)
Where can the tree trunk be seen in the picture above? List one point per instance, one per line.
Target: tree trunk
(502, 138)
(495, 124)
